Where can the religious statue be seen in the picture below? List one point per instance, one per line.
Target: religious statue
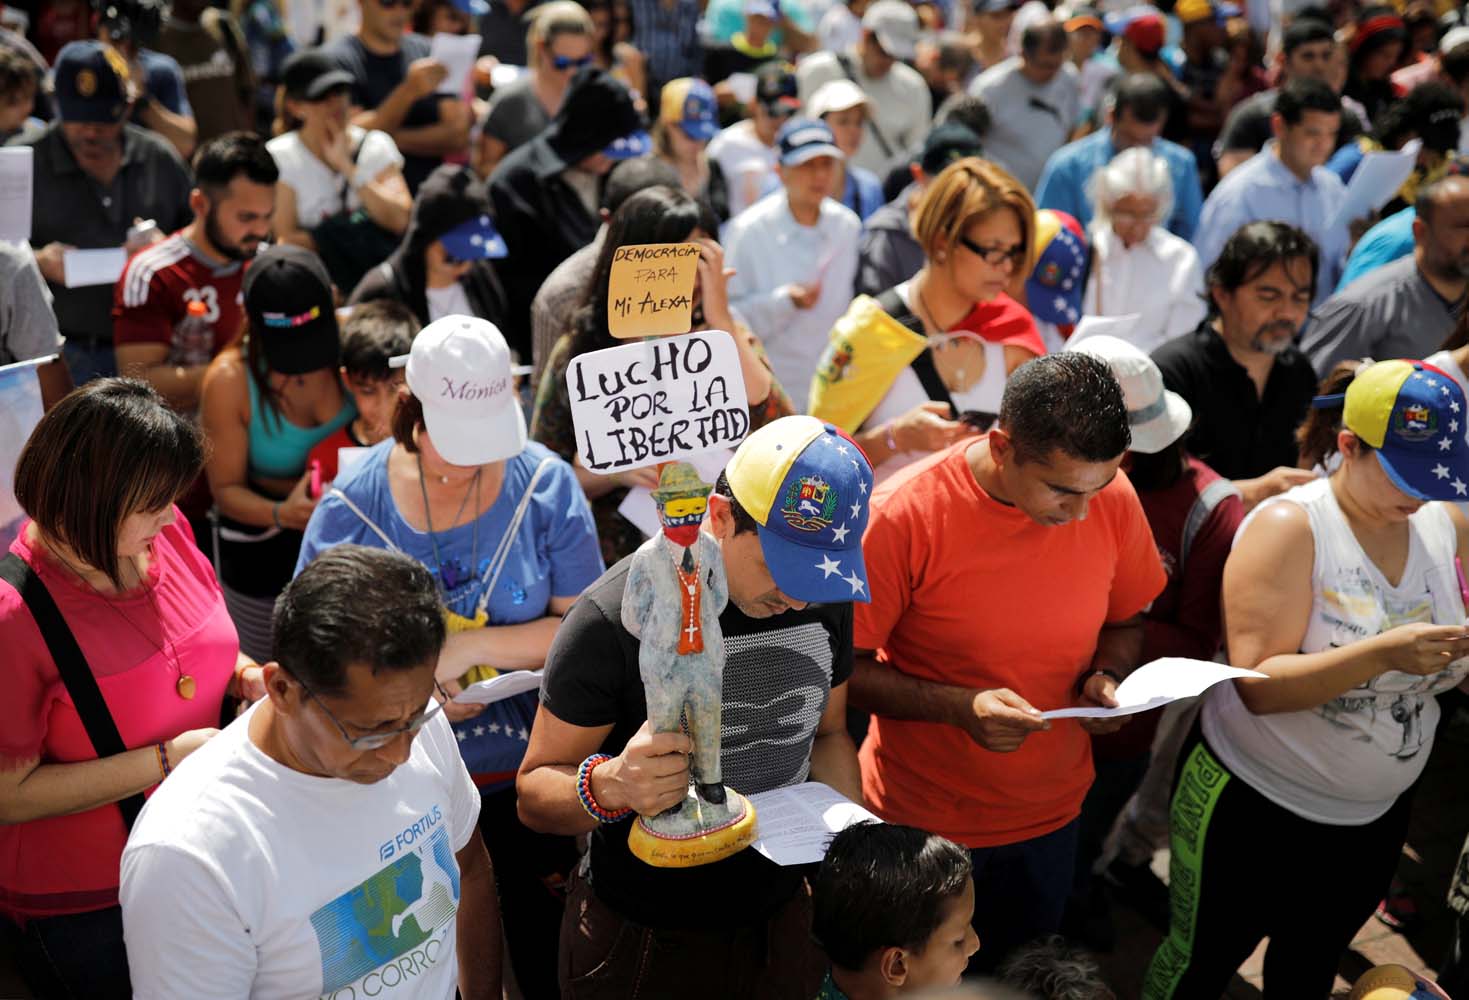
(674, 594)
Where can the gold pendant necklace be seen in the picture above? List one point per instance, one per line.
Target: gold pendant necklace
(185, 685)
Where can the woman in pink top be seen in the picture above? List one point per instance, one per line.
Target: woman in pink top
(98, 480)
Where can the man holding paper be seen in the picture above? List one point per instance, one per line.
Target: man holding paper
(955, 661)
(1405, 309)
(95, 178)
(396, 88)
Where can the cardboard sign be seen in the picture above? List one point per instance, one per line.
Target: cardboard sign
(651, 290)
(657, 401)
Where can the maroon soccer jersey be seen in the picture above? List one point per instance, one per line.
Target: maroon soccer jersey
(151, 300)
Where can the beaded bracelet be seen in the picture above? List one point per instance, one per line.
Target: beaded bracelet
(163, 764)
(584, 791)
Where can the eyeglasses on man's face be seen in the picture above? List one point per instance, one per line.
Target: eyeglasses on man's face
(376, 741)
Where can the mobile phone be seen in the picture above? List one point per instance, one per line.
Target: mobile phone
(313, 488)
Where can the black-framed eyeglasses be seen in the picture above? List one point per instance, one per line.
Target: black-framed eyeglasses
(995, 256)
(376, 741)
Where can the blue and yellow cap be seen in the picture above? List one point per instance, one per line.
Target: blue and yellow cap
(1413, 414)
(808, 486)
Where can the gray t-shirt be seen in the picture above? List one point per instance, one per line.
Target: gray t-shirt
(516, 115)
(27, 324)
(1391, 312)
(1029, 121)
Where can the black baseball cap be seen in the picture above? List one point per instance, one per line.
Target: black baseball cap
(309, 75)
(91, 84)
(947, 143)
(775, 88)
(598, 110)
(288, 299)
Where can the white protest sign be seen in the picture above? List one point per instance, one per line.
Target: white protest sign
(657, 400)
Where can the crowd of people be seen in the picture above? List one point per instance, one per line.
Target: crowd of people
(1087, 325)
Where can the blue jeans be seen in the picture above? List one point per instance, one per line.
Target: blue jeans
(76, 957)
(87, 359)
(1020, 892)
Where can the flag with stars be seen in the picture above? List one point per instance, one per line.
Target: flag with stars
(493, 742)
(1054, 289)
(1412, 414)
(807, 485)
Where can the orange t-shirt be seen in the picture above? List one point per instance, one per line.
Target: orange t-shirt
(968, 591)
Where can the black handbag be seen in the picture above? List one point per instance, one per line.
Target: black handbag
(350, 244)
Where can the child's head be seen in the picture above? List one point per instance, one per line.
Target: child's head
(373, 334)
(894, 904)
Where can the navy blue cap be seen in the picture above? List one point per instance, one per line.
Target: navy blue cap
(802, 139)
(92, 83)
(476, 239)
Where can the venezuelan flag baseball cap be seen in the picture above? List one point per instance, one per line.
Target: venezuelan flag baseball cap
(1395, 982)
(1414, 415)
(1053, 290)
(808, 486)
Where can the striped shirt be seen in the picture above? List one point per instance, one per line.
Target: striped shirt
(151, 300)
(667, 32)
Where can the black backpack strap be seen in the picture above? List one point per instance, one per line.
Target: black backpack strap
(928, 376)
(72, 666)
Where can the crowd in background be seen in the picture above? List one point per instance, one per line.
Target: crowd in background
(1064, 300)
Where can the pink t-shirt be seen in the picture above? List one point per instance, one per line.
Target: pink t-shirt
(69, 864)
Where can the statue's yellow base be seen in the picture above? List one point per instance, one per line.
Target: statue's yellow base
(702, 848)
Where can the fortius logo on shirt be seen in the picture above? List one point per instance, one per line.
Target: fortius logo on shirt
(409, 834)
(379, 938)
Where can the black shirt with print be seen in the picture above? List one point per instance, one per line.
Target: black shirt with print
(778, 675)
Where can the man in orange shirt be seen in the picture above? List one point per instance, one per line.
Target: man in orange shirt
(1008, 574)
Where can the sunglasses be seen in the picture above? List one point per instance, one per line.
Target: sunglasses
(376, 741)
(995, 256)
(564, 63)
(390, 4)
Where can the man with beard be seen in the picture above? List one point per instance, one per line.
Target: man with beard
(159, 333)
(1247, 383)
(95, 179)
(1405, 309)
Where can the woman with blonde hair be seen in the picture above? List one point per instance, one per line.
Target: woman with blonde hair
(1138, 266)
(976, 224)
(559, 40)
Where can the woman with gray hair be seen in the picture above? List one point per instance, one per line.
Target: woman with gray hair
(1138, 267)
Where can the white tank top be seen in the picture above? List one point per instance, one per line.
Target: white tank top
(1345, 762)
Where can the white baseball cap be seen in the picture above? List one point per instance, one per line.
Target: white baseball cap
(835, 95)
(459, 369)
(1156, 416)
(896, 26)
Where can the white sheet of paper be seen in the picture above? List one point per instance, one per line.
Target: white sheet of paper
(638, 506)
(93, 267)
(742, 86)
(1376, 179)
(1101, 326)
(17, 165)
(500, 687)
(1158, 683)
(347, 459)
(794, 825)
(457, 53)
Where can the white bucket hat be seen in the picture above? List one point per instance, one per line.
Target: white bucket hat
(459, 369)
(1156, 416)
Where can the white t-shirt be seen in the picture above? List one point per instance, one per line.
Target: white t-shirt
(318, 188)
(746, 162)
(244, 878)
(1344, 763)
(447, 301)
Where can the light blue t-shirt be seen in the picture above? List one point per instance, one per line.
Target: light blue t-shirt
(555, 552)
